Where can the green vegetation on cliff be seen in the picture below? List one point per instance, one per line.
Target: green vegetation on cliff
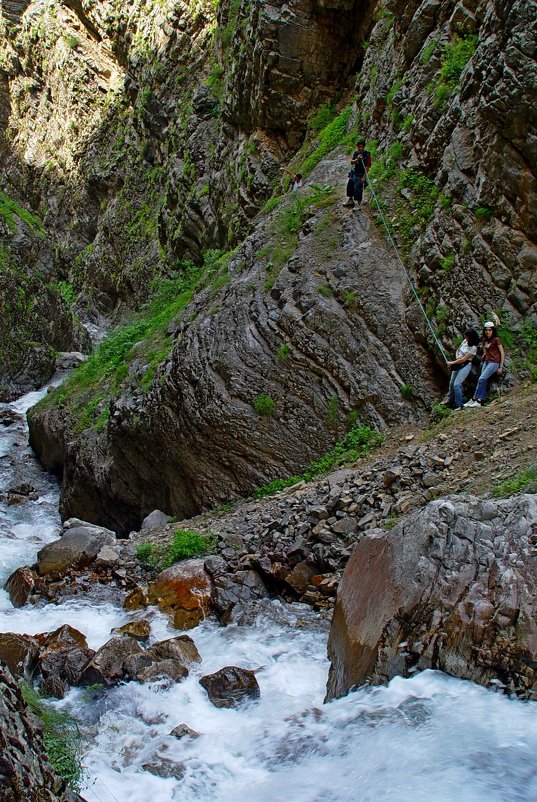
(133, 352)
(60, 736)
(10, 209)
(358, 442)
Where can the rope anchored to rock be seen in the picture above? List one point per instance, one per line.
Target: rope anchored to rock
(402, 264)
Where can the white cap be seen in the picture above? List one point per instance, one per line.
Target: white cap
(489, 325)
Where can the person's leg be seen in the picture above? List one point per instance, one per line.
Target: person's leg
(349, 193)
(488, 370)
(458, 381)
(358, 189)
(451, 395)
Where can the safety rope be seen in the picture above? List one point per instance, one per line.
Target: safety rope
(400, 260)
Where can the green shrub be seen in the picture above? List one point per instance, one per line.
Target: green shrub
(61, 737)
(428, 51)
(456, 56)
(331, 136)
(483, 213)
(67, 292)
(264, 404)
(393, 91)
(350, 300)
(457, 53)
(322, 117)
(406, 391)
(525, 480)
(9, 209)
(325, 290)
(275, 486)
(147, 553)
(407, 122)
(333, 409)
(284, 352)
(358, 441)
(186, 544)
(71, 41)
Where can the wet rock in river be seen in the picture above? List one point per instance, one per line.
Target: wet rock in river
(139, 629)
(19, 653)
(107, 665)
(231, 686)
(20, 586)
(183, 591)
(184, 731)
(78, 547)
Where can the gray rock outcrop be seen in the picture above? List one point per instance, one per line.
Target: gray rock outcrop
(453, 587)
(78, 547)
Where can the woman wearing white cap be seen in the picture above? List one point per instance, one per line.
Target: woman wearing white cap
(493, 359)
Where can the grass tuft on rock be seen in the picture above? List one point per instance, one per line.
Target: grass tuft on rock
(61, 737)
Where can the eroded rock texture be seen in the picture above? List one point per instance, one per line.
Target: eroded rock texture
(25, 773)
(453, 587)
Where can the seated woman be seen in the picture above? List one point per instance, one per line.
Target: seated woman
(461, 366)
(493, 359)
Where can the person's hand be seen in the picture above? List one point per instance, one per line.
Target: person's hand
(500, 371)
(451, 362)
(363, 179)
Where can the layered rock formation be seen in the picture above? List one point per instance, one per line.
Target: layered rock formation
(452, 588)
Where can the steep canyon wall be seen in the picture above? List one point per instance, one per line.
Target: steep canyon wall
(142, 136)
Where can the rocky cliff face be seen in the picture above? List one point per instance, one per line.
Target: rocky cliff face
(164, 141)
(25, 772)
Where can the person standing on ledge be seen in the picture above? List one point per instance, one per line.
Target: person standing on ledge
(361, 159)
(493, 359)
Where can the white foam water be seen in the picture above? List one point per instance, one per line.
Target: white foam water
(428, 739)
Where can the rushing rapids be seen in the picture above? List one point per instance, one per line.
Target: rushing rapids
(427, 738)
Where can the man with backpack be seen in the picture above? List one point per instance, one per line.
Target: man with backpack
(361, 161)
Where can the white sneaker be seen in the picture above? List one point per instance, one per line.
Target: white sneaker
(349, 202)
(472, 403)
(358, 207)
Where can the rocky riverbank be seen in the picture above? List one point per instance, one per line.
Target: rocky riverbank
(296, 544)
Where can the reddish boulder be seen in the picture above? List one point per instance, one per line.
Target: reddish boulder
(183, 592)
(19, 653)
(20, 586)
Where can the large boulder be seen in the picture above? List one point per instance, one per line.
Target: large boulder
(19, 653)
(64, 655)
(453, 587)
(77, 548)
(20, 586)
(183, 591)
(108, 664)
(166, 659)
(231, 686)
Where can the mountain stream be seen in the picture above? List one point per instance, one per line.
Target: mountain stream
(427, 739)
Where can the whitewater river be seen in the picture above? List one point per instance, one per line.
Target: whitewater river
(428, 739)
